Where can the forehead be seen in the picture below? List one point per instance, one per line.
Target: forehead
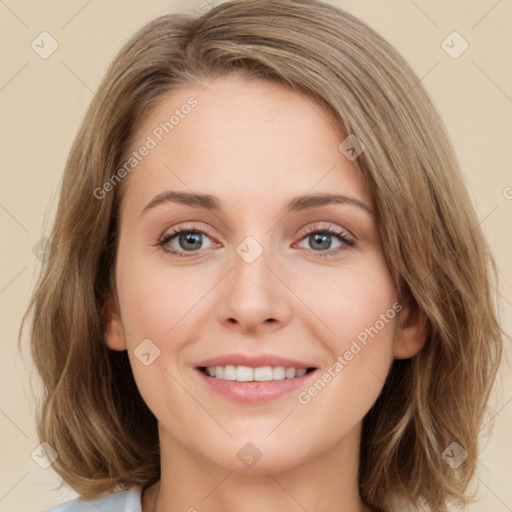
(234, 137)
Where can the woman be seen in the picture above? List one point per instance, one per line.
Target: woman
(260, 293)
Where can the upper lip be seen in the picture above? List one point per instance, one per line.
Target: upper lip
(254, 361)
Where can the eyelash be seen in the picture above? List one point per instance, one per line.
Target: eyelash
(340, 234)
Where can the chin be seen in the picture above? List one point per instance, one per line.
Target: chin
(257, 456)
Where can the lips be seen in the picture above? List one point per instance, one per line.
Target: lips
(254, 361)
(252, 379)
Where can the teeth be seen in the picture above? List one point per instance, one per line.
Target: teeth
(248, 374)
(279, 372)
(289, 373)
(229, 372)
(244, 374)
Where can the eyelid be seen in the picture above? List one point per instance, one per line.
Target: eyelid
(346, 239)
(175, 231)
(326, 227)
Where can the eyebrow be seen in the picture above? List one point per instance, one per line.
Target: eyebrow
(212, 203)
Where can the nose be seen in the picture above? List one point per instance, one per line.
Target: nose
(253, 297)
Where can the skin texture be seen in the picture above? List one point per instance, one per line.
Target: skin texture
(255, 145)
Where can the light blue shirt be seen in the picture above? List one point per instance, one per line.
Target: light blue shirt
(123, 501)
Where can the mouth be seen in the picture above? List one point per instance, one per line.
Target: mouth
(241, 373)
(253, 378)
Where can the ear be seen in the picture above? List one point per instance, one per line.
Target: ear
(114, 334)
(412, 331)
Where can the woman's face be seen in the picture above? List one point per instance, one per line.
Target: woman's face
(268, 276)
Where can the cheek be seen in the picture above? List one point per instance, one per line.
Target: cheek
(349, 300)
(358, 310)
(162, 311)
(156, 299)
(160, 307)
(360, 307)
(362, 312)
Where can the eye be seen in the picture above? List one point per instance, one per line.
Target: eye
(187, 241)
(183, 240)
(320, 239)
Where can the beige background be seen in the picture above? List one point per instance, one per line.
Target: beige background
(42, 102)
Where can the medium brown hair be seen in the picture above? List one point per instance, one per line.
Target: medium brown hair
(91, 411)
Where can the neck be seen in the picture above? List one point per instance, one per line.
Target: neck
(325, 483)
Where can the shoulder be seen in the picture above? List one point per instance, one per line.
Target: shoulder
(123, 501)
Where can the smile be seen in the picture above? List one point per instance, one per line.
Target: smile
(242, 373)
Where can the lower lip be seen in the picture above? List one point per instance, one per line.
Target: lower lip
(253, 392)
